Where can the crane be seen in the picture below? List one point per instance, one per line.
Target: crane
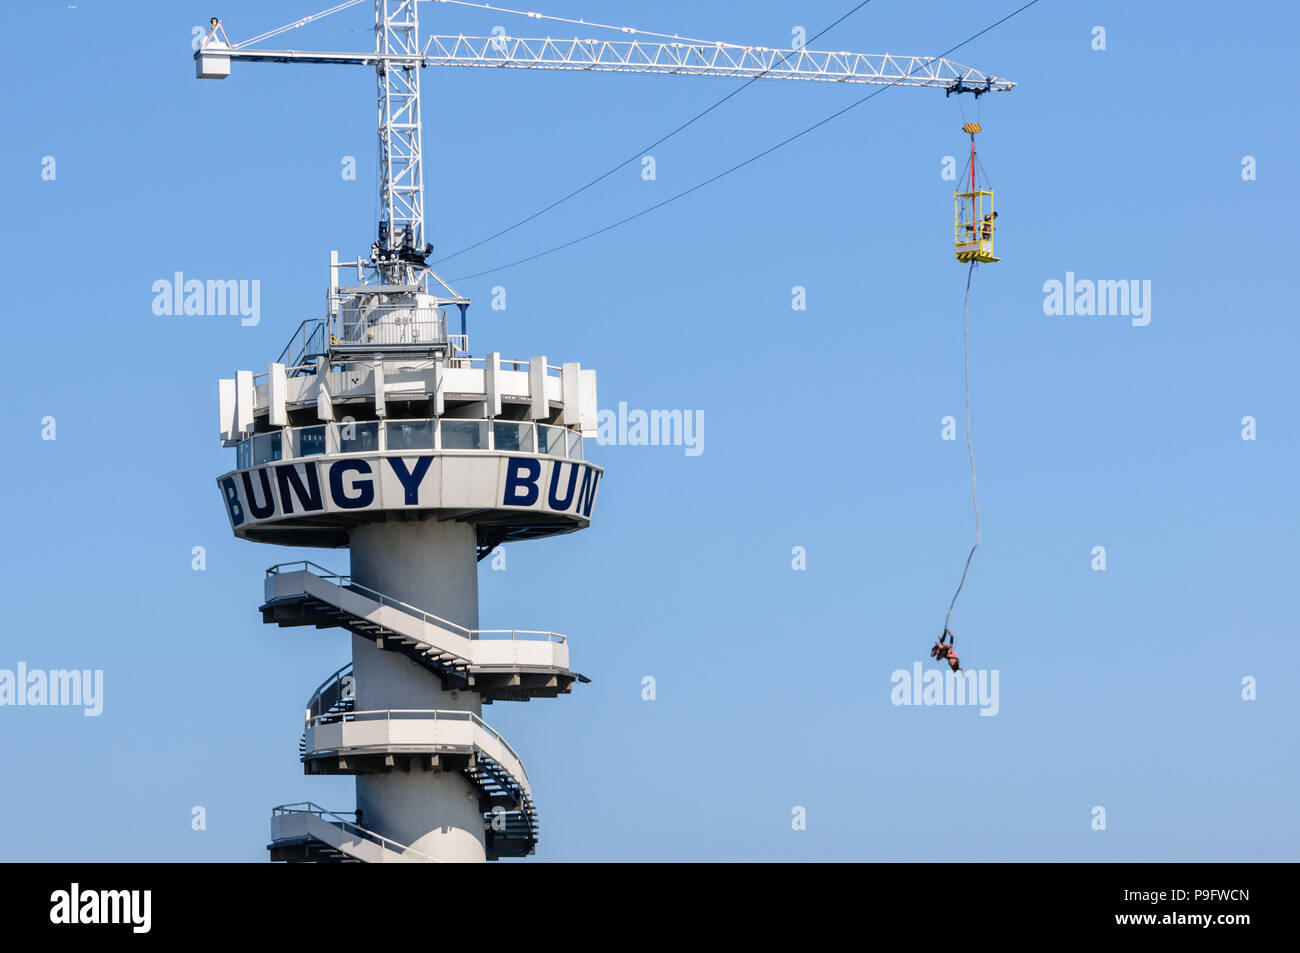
(399, 254)
(495, 438)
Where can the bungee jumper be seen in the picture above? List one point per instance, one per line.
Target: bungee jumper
(946, 653)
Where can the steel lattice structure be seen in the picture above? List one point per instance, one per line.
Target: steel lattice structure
(702, 59)
(397, 43)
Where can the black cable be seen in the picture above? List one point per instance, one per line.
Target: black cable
(741, 165)
(642, 152)
(970, 449)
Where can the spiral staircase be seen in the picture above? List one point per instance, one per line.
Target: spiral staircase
(500, 665)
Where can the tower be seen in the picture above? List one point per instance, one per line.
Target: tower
(377, 432)
(381, 435)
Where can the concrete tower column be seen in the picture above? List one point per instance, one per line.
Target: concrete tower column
(431, 565)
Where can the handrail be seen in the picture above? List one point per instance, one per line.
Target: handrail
(400, 325)
(346, 582)
(345, 669)
(434, 714)
(519, 365)
(318, 325)
(517, 635)
(333, 817)
(564, 443)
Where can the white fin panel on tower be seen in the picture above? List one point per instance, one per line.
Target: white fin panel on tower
(226, 401)
(587, 403)
(277, 393)
(245, 397)
(569, 377)
(439, 378)
(540, 403)
(381, 406)
(492, 383)
(324, 406)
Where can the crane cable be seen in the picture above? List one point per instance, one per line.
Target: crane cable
(738, 166)
(632, 158)
(970, 449)
(295, 24)
(534, 15)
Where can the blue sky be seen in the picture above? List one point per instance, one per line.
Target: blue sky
(1119, 689)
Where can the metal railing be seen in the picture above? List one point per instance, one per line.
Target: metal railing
(389, 326)
(316, 697)
(349, 826)
(510, 364)
(345, 582)
(307, 341)
(441, 434)
(973, 216)
(420, 714)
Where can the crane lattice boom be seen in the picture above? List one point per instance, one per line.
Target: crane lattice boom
(638, 56)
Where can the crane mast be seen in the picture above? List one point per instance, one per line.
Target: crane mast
(401, 249)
